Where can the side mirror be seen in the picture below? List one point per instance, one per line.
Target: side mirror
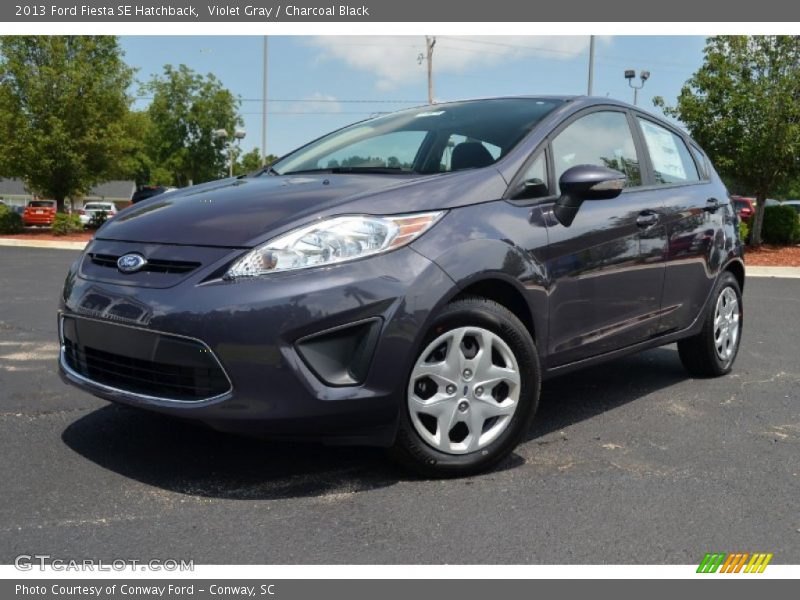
(585, 182)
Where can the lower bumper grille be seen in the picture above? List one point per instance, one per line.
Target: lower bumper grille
(142, 362)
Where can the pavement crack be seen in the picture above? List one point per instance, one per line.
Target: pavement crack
(41, 414)
(76, 522)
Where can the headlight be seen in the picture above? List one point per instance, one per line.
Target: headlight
(332, 241)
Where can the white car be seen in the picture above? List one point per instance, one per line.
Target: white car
(87, 213)
(795, 204)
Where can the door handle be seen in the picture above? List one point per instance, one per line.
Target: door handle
(647, 219)
(712, 204)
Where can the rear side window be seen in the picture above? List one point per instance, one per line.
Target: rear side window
(600, 138)
(672, 161)
(700, 159)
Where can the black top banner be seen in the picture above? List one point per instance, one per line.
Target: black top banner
(400, 11)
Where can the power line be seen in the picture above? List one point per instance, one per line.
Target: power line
(328, 112)
(604, 58)
(316, 100)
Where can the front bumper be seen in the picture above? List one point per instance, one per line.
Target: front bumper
(252, 328)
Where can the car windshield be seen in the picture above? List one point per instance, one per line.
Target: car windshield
(429, 139)
(41, 204)
(97, 207)
(741, 204)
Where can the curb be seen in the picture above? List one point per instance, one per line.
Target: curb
(752, 271)
(43, 244)
(783, 272)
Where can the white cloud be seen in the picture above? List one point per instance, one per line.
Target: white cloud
(394, 59)
(316, 102)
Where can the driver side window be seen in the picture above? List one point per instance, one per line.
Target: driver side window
(600, 138)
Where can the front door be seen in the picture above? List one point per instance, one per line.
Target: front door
(606, 269)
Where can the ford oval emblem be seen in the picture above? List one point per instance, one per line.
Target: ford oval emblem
(130, 263)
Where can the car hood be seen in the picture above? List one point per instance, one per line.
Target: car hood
(240, 213)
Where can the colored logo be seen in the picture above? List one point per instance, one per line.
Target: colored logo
(130, 263)
(734, 562)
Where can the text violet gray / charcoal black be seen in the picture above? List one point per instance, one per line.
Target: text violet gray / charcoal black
(408, 11)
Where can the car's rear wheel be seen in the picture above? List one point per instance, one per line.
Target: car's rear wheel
(472, 391)
(711, 353)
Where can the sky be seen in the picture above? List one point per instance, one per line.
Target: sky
(320, 83)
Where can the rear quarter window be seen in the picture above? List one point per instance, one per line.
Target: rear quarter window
(701, 160)
(672, 162)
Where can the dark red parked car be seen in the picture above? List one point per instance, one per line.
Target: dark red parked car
(39, 212)
(744, 207)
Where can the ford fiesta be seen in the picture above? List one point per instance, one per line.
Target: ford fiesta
(409, 280)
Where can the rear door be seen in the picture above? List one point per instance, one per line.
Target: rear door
(606, 269)
(693, 211)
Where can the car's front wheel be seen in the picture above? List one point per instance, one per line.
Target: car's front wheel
(472, 391)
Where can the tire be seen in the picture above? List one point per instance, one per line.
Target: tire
(504, 406)
(701, 354)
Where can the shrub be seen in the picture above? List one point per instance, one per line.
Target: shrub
(781, 225)
(64, 224)
(10, 221)
(744, 232)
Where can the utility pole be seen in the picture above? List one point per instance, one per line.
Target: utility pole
(430, 42)
(591, 66)
(264, 108)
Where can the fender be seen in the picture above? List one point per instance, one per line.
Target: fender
(478, 256)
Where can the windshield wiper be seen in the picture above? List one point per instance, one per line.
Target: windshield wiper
(375, 170)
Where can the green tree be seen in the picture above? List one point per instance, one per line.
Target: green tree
(135, 162)
(185, 111)
(63, 104)
(743, 107)
(251, 161)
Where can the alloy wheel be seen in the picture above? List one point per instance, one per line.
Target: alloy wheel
(726, 324)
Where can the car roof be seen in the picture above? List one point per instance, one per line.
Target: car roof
(577, 103)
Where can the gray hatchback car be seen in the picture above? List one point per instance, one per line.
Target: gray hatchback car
(409, 280)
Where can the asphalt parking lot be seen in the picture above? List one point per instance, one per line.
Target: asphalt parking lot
(629, 462)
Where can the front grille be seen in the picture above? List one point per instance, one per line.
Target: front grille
(142, 362)
(153, 265)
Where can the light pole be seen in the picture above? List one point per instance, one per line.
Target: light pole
(630, 75)
(590, 86)
(238, 136)
(264, 105)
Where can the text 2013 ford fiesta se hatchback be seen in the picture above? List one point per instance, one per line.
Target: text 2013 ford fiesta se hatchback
(408, 281)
